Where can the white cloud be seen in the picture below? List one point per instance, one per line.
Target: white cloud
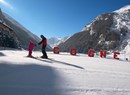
(6, 4)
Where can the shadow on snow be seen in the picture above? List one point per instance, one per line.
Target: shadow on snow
(60, 62)
(28, 80)
(2, 54)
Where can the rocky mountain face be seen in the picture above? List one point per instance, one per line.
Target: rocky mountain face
(20, 33)
(109, 31)
(7, 36)
(8, 40)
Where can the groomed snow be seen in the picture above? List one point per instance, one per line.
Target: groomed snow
(62, 74)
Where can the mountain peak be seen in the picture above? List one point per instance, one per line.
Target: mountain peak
(56, 41)
(125, 8)
(109, 31)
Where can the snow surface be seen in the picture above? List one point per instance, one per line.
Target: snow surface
(62, 74)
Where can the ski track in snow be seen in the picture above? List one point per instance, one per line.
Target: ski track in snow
(62, 74)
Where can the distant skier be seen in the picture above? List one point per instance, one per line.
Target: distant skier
(30, 48)
(44, 43)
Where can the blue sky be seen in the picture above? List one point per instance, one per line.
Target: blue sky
(58, 18)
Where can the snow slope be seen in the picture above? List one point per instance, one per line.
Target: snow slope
(62, 74)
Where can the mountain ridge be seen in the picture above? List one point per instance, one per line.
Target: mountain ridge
(109, 31)
(55, 41)
(22, 34)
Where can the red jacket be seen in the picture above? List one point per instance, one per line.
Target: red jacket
(43, 42)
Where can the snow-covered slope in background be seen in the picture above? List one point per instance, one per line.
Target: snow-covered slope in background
(125, 8)
(62, 74)
(56, 41)
(108, 31)
(122, 21)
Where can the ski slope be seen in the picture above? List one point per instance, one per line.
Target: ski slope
(62, 74)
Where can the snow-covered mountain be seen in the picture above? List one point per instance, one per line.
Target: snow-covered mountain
(122, 25)
(22, 34)
(56, 41)
(109, 31)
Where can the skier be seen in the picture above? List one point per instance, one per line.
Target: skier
(30, 48)
(44, 43)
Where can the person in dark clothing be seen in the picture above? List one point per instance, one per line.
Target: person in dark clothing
(44, 44)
